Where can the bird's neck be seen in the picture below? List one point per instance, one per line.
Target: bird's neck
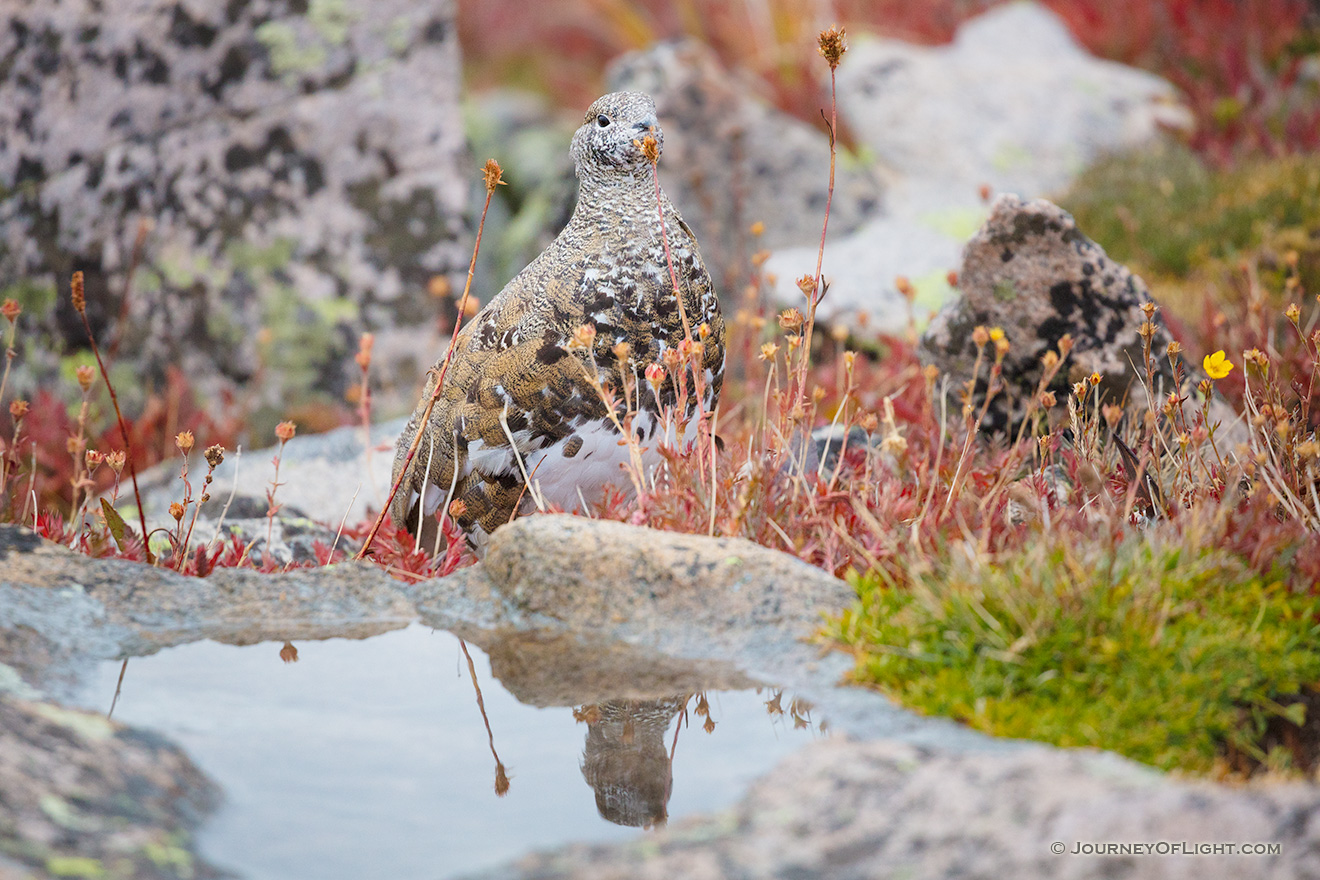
(633, 195)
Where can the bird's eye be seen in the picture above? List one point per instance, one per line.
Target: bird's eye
(603, 121)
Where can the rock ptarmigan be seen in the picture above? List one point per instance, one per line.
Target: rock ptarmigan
(516, 372)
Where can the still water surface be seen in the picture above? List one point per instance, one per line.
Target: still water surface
(371, 758)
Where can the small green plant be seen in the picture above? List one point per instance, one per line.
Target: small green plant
(1177, 656)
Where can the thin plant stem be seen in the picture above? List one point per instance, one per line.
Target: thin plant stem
(492, 172)
(80, 305)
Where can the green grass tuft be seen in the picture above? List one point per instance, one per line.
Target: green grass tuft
(1172, 658)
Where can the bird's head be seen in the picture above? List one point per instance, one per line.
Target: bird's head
(613, 132)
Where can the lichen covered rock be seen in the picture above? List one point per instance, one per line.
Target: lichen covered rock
(1031, 272)
(290, 173)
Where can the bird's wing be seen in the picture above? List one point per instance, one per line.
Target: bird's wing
(511, 377)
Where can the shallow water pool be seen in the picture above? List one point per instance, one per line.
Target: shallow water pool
(372, 757)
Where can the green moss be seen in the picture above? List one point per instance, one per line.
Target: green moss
(1169, 213)
(1169, 660)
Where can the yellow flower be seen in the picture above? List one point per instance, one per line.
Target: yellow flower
(1216, 365)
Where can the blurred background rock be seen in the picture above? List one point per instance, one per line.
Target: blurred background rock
(284, 175)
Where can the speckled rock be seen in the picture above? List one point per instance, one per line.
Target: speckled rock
(848, 810)
(86, 797)
(300, 165)
(1032, 272)
(731, 160)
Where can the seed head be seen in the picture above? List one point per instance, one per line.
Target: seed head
(1047, 399)
(93, 459)
(1113, 413)
(79, 298)
(807, 285)
(583, 337)
(791, 320)
(655, 375)
(493, 175)
(288, 653)
(869, 422)
(1065, 344)
(1049, 360)
(214, 455)
(86, 374)
(1293, 313)
(18, 409)
(650, 148)
(176, 511)
(11, 310)
(768, 351)
(1174, 349)
(1148, 309)
(116, 460)
(833, 43)
(284, 431)
(184, 440)
(365, 344)
(457, 508)
(980, 336)
(622, 352)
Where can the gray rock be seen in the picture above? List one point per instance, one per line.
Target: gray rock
(632, 583)
(1014, 103)
(301, 167)
(324, 480)
(731, 160)
(844, 810)
(87, 797)
(1031, 272)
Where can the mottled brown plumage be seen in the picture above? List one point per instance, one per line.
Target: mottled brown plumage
(513, 362)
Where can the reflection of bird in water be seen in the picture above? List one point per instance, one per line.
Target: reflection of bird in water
(625, 760)
(519, 398)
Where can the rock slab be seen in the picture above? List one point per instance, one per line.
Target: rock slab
(300, 167)
(857, 810)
